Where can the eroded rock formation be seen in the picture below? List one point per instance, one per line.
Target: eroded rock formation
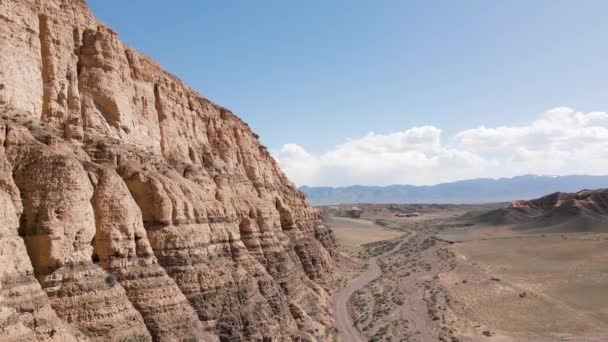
(133, 208)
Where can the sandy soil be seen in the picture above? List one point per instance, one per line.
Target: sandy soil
(340, 300)
(442, 281)
(531, 288)
(390, 299)
(352, 233)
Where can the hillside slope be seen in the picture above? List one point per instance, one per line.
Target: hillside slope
(584, 211)
(133, 208)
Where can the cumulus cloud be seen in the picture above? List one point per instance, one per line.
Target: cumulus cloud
(298, 164)
(556, 126)
(560, 141)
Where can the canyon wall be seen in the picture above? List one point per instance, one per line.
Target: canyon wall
(135, 209)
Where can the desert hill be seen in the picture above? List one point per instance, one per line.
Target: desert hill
(583, 211)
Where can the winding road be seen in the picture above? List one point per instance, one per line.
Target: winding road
(344, 322)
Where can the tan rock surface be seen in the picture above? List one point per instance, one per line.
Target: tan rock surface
(146, 210)
(25, 313)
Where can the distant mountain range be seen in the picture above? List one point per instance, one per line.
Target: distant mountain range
(480, 190)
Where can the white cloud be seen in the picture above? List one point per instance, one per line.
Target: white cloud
(560, 141)
(298, 164)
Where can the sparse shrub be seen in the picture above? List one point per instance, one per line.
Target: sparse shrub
(134, 338)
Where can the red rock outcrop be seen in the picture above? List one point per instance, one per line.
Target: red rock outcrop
(584, 211)
(133, 207)
(593, 200)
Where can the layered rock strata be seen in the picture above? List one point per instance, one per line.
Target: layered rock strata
(135, 209)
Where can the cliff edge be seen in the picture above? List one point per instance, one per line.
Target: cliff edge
(135, 209)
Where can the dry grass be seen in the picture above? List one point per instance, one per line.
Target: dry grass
(495, 283)
(533, 287)
(352, 233)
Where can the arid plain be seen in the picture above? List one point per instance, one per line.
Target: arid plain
(447, 273)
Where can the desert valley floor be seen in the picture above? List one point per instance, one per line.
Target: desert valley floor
(447, 275)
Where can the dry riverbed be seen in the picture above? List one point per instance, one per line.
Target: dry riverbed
(423, 280)
(390, 297)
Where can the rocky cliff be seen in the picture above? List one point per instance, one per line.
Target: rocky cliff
(135, 209)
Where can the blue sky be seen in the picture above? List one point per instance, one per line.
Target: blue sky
(313, 74)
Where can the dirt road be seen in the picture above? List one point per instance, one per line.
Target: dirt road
(344, 322)
(413, 249)
(416, 308)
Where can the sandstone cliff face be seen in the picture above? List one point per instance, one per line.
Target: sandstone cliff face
(132, 208)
